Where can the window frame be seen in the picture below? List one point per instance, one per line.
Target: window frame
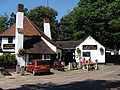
(10, 39)
(87, 55)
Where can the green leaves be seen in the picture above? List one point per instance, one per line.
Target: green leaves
(37, 15)
(7, 60)
(98, 18)
(3, 22)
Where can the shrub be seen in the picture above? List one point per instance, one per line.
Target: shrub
(7, 60)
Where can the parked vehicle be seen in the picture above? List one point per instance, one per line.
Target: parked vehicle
(58, 66)
(38, 66)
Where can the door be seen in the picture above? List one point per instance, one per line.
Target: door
(68, 57)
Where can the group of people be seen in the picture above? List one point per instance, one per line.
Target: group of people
(87, 61)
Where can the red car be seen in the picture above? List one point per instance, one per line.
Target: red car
(38, 66)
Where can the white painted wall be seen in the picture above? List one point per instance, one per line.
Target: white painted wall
(19, 37)
(47, 31)
(5, 41)
(54, 48)
(95, 54)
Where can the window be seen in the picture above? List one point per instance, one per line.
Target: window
(86, 54)
(10, 39)
(47, 57)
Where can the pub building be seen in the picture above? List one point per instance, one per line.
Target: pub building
(24, 34)
(90, 48)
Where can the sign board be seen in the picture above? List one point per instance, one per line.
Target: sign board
(8, 46)
(89, 47)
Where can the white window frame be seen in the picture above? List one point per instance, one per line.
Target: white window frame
(47, 57)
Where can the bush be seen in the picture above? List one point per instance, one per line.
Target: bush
(7, 60)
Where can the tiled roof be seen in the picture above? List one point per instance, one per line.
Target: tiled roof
(46, 37)
(35, 45)
(69, 44)
(28, 30)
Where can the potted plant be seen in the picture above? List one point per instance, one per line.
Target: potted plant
(21, 52)
(101, 50)
(78, 51)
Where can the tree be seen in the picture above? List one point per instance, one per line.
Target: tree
(37, 15)
(12, 19)
(99, 18)
(66, 28)
(3, 22)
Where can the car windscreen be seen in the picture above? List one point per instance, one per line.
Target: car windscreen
(42, 63)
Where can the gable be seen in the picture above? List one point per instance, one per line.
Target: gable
(91, 41)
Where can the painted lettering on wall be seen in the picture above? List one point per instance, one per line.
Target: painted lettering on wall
(8, 46)
(89, 47)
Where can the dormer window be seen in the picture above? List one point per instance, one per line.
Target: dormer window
(10, 39)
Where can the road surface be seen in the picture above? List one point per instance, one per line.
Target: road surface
(106, 78)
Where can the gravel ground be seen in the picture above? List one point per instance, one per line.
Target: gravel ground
(106, 78)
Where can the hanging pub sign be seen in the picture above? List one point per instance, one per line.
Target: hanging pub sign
(89, 47)
(8, 46)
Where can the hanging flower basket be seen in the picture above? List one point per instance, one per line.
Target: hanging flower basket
(21, 52)
(101, 49)
(78, 51)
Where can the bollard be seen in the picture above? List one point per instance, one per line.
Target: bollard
(63, 63)
(22, 70)
(70, 66)
(96, 64)
(79, 65)
(17, 69)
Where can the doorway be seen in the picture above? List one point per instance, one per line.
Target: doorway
(68, 57)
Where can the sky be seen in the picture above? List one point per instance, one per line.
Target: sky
(61, 6)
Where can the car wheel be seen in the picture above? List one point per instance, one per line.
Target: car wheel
(33, 72)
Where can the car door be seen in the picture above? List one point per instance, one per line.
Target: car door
(29, 67)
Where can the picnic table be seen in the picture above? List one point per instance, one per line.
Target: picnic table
(90, 66)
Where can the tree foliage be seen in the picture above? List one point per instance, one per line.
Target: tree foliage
(3, 22)
(66, 28)
(37, 15)
(99, 18)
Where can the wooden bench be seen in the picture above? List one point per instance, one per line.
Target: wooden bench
(90, 66)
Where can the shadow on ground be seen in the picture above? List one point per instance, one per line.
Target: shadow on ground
(82, 85)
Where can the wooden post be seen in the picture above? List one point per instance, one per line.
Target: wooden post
(17, 69)
(70, 66)
(79, 65)
(96, 64)
(22, 70)
(63, 63)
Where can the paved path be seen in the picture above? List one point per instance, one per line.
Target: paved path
(107, 78)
